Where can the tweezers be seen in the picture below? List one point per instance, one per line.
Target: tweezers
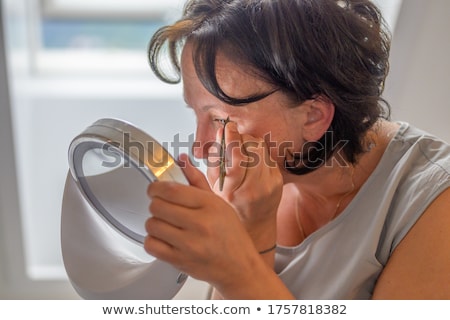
(222, 168)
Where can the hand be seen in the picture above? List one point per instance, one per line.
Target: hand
(198, 232)
(253, 183)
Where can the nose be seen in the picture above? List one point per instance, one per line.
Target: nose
(205, 136)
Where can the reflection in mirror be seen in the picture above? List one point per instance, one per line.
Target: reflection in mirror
(115, 187)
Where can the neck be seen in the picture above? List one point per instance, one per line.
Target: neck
(318, 197)
(331, 180)
(326, 182)
(312, 200)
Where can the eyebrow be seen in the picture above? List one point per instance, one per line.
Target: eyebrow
(203, 109)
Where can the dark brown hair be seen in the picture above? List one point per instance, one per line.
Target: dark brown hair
(306, 48)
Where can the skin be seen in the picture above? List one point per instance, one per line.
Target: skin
(216, 236)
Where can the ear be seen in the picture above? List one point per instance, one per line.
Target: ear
(319, 116)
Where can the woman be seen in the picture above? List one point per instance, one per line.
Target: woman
(322, 197)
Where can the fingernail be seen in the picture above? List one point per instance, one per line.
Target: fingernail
(182, 160)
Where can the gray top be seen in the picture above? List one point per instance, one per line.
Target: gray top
(343, 259)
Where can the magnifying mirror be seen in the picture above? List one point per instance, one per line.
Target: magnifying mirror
(112, 162)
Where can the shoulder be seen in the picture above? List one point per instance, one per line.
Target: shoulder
(417, 171)
(412, 152)
(413, 172)
(422, 145)
(419, 267)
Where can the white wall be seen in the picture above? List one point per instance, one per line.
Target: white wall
(418, 87)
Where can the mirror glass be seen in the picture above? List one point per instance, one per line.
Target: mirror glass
(114, 185)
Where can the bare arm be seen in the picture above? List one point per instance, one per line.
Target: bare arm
(420, 266)
(269, 259)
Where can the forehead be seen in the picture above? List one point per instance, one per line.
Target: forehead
(234, 79)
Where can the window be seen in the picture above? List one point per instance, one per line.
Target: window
(97, 36)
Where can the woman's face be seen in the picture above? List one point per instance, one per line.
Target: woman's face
(273, 118)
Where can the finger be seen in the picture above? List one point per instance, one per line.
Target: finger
(261, 168)
(159, 249)
(164, 231)
(195, 177)
(234, 156)
(177, 194)
(170, 213)
(256, 152)
(259, 163)
(213, 168)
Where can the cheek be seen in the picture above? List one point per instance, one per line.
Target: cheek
(205, 137)
(277, 151)
(280, 145)
(255, 129)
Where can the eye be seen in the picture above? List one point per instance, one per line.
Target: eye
(222, 121)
